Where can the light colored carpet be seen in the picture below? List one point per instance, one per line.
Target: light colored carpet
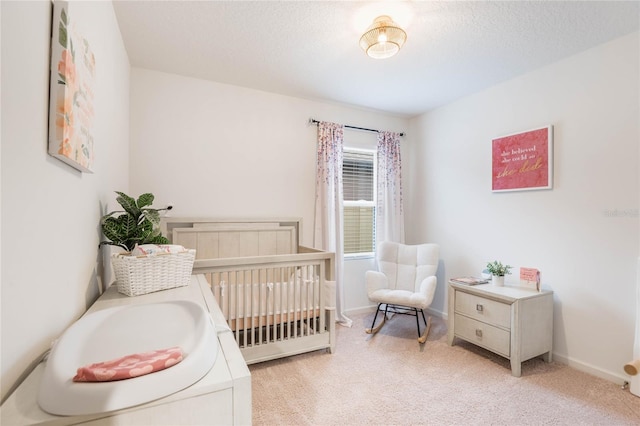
(388, 379)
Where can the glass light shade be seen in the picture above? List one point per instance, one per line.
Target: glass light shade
(383, 38)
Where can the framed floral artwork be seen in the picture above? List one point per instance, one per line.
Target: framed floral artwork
(71, 103)
(523, 161)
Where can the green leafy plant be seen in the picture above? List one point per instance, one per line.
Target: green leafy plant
(497, 268)
(138, 223)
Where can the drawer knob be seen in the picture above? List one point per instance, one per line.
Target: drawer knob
(479, 307)
(478, 332)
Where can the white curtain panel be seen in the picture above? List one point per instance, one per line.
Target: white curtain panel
(389, 213)
(328, 220)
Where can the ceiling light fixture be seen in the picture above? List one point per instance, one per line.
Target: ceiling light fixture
(383, 38)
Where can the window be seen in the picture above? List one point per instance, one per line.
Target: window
(358, 179)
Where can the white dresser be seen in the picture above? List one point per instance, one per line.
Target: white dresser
(221, 397)
(514, 322)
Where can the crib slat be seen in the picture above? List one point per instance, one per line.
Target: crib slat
(310, 302)
(249, 311)
(321, 301)
(276, 279)
(298, 303)
(256, 288)
(263, 291)
(277, 316)
(290, 300)
(304, 299)
(271, 306)
(242, 303)
(282, 304)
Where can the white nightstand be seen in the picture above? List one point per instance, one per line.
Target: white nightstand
(514, 322)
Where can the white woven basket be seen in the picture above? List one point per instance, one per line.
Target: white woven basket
(145, 274)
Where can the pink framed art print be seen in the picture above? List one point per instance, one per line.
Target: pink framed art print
(523, 161)
(71, 108)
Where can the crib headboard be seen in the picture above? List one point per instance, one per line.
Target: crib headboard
(223, 238)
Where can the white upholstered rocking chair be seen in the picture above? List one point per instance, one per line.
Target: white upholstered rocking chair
(404, 283)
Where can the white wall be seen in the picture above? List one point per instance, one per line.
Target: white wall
(215, 150)
(583, 234)
(50, 212)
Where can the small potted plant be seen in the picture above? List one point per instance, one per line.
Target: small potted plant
(139, 224)
(498, 271)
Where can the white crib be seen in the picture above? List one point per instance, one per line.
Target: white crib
(277, 297)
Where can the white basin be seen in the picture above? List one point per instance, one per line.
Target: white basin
(111, 333)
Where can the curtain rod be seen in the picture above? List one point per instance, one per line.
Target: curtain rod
(314, 121)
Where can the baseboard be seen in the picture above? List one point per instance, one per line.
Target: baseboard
(372, 308)
(438, 314)
(590, 369)
(360, 310)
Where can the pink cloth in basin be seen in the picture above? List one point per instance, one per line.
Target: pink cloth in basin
(129, 366)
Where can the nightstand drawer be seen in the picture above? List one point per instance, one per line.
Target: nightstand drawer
(493, 338)
(489, 311)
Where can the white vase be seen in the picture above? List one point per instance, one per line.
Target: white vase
(497, 280)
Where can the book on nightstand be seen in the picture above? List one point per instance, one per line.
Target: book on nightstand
(469, 280)
(530, 278)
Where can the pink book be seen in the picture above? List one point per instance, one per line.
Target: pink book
(530, 277)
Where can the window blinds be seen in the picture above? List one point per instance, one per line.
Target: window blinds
(358, 179)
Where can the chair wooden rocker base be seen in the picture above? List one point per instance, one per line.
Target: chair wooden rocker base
(402, 310)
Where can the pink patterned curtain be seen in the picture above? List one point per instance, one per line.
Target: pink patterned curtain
(389, 212)
(328, 221)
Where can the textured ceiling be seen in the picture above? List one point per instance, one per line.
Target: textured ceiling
(310, 49)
